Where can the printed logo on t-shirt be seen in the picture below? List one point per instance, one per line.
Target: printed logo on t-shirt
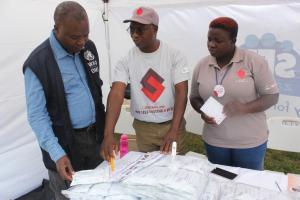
(241, 73)
(185, 70)
(152, 85)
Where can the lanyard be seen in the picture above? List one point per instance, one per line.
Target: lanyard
(216, 73)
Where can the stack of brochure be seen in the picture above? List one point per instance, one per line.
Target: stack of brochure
(170, 179)
(140, 176)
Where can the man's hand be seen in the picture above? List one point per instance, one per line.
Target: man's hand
(168, 139)
(207, 119)
(64, 168)
(234, 108)
(107, 147)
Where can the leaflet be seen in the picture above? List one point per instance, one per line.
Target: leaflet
(213, 108)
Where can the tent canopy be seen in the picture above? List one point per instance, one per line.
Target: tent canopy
(268, 27)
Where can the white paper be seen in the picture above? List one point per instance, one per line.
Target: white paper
(213, 108)
(271, 180)
(90, 176)
(152, 176)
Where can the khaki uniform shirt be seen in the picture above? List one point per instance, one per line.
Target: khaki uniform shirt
(247, 78)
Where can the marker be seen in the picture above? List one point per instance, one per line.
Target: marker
(111, 162)
(174, 149)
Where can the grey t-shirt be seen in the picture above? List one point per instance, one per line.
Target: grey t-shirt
(247, 78)
(152, 77)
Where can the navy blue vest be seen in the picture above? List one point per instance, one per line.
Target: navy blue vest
(43, 64)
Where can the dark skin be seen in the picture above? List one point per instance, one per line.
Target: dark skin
(144, 37)
(146, 40)
(72, 35)
(222, 46)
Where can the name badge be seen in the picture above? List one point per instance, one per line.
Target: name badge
(219, 91)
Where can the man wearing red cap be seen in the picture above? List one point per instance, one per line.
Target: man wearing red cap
(159, 85)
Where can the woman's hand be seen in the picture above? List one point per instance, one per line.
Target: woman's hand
(207, 119)
(234, 108)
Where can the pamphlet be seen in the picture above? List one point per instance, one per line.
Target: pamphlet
(213, 108)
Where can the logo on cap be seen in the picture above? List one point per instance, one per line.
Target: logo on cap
(144, 15)
(139, 11)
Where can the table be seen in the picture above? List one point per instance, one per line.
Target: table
(157, 176)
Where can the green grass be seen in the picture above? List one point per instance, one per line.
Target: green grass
(287, 162)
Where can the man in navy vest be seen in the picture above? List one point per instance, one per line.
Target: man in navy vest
(64, 97)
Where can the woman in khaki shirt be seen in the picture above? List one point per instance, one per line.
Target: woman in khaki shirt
(242, 81)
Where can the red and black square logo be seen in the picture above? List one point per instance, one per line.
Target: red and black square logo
(152, 85)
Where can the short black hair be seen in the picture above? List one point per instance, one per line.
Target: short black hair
(69, 8)
(226, 23)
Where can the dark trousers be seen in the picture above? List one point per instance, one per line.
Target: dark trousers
(57, 184)
(85, 155)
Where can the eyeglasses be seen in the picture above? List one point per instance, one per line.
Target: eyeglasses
(140, 30)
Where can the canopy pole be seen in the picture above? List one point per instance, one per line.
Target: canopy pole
(107, 38)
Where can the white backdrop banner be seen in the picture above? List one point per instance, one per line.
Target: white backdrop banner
(270, 28)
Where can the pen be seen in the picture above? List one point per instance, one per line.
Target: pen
(278, 186)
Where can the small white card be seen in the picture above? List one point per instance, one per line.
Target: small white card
(213, 108)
